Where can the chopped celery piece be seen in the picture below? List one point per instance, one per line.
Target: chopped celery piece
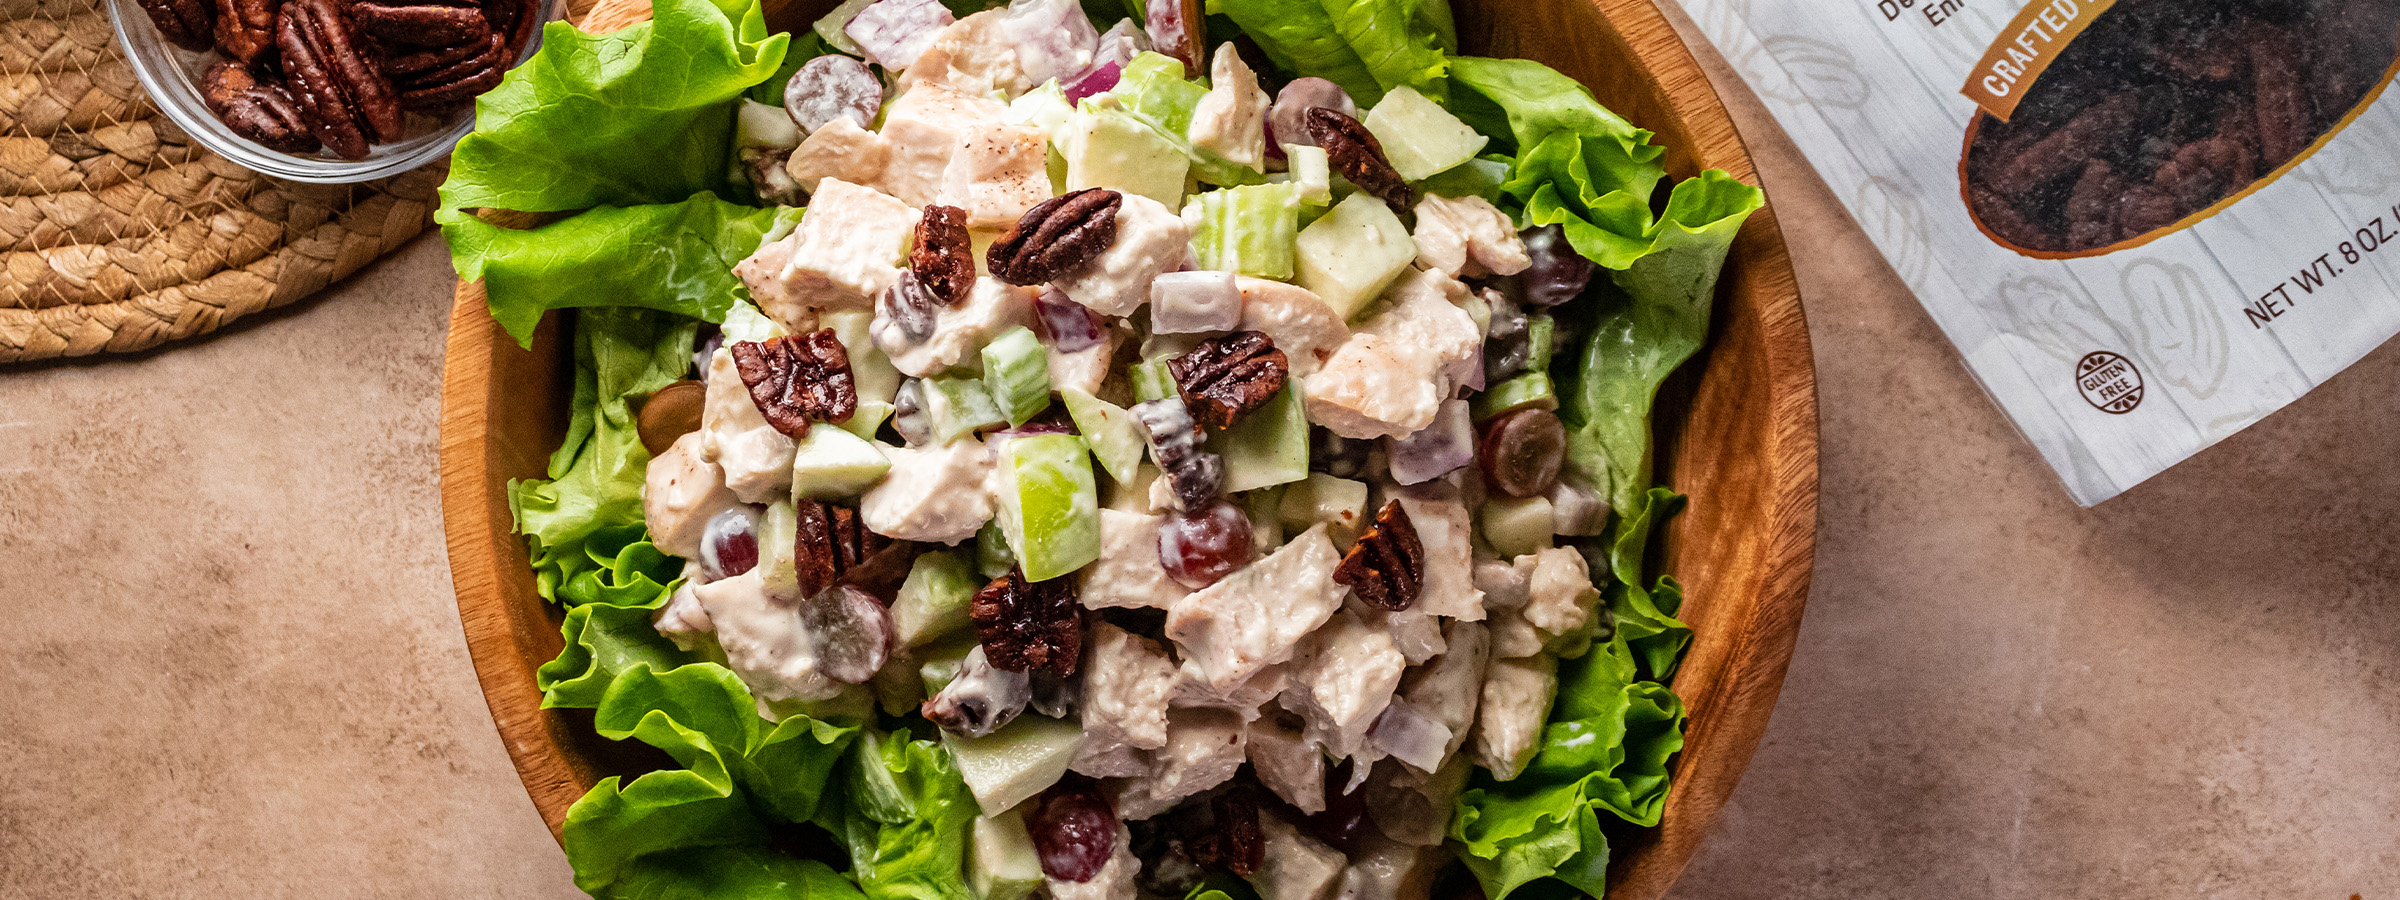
(1106, 146)
(1528, 390)
(778, 543)
(959, 404)
(1049, 504)
(898, 689)
(1152, 381)
(1115, 440)
(868, 419)
(1420, 138)
(1312, 170)
(1267, 447)
(1002, 863)
(1250, 230)
(1016, 370)
(745, 323)
(1339, 503)
(1541, 335)
(1515, 527)
(1481, 177)
(1008, 766)
(871, 372)
(831, 26)
(932, 604)
(1153, 88)
(1045, 108)
(832, 463)
(993, 558)
(1348, 257)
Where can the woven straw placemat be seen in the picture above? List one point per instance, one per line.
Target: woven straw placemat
(118, 233)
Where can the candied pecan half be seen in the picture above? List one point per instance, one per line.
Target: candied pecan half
(944, 260)
(798, 379)
(425, 23)
(339, 85)
(1387, 565)
(1224, 378)
(832, 547)
(246, 29)
(514, 20)
(184, 23)
(1025, 626)
(1056, 237)
(1234, 842)
(1358, 156)
(257, 110)
(441, 76)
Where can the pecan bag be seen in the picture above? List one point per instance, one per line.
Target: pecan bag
(2146, 223)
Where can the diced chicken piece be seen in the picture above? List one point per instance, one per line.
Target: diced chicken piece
(1385, 869)
(1128, 572)
(1413, 807)
(1114, 881)
(1204, 748)
(933, 494)
(1506, 584)
(1303, 326)
(1392, 374)
(682, 619)
(1150, 239)
(1416, 632)
(1510, 714)
(1295, 866)
(847, 250)
(1245, 698)
(1231, 119)
(973, 55)
(1254, 617)
(840, 150)
(1118, 761)
(1086, 370)
(1513, 637)
(1448, 688)
(1342, 678)
(1289, 763)
(923, 129)
(763, 640)
(996, 174)
(1127, 681)
(1561, 596)
(1131, 496)
(1453, 231)
(681, 491)
(1443, 528)
(959, 332)
(755, 459)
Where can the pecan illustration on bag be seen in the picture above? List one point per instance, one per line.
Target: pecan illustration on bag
(2163, 109)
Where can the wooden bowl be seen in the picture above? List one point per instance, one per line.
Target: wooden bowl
(1737, 431)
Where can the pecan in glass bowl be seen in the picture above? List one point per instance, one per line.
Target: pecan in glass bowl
(403, 77)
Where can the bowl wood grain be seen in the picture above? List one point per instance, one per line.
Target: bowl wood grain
(1737, 431)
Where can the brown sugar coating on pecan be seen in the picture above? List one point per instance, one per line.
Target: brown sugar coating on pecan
(246, 29)
(255, 109)
(1387, 565)
(338, 83)
(185, 23)
(944, 259)
(1358, 156)
(424, 23)
(429, 79)
(1027, 626)
(832, 547)
(1224, 378)
(798, 379)
(1056, 237)
(514, 20)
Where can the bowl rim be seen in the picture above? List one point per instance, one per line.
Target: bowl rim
(1730, 710)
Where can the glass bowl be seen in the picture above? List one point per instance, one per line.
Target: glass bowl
(171, 76)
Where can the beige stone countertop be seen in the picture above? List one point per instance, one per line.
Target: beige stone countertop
(234, 668)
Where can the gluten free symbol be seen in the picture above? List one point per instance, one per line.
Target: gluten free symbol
(2109, 382)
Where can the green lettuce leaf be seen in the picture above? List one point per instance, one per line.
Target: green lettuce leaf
(904, 814)
(676, 257)
(1366, 46)
(636, 116)
(727, 873)
(604, 641)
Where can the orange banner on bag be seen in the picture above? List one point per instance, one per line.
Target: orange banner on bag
(2029, 44)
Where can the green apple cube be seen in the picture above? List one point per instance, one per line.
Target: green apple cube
(1001, 861)
(1045, 108)
(932, 604)
(1515, 527)
(1106, 146)
(832, 463)
(1152, 87)
(1321, 498)
(993, 558)
(778, 540)
(871, 372)
(1008, 766)
(1532, 390)
(1312, 170)
(868, 419)
(1114, 438)
(1016, 372)
(1348, 257)
(1049, 504)
(958, 405)
(1267, 447)
(1249, 230)
(1419, 137)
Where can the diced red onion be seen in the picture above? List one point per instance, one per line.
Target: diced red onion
(893, 33)
(1093, 82)
(1065, 325)
(1437, 449)
(1191, 302)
